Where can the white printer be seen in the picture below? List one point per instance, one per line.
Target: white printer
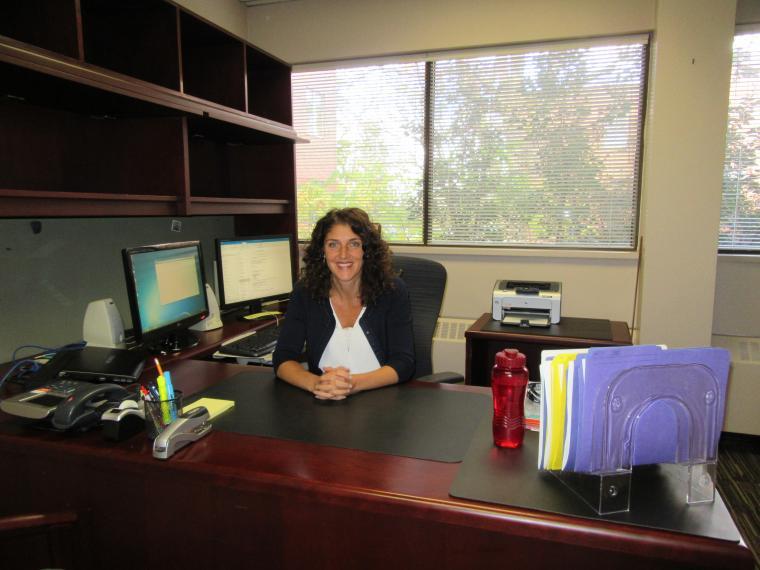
(527, 303)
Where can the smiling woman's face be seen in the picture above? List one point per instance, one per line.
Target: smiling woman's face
(343, 253)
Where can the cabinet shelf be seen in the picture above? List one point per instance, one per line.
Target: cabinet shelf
(110, 41)
(35, 203)
(19, 203)
(62, 83)
(212, 63)
(141, 108)
(211, 206)
(268, 87)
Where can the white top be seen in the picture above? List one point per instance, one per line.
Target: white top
(349, 347)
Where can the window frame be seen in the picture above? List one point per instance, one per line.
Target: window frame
(539, 250)
(742, 29)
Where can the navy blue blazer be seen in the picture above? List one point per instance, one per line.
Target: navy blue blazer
(387, 324)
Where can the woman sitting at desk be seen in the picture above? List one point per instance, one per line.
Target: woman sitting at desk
(349, 309)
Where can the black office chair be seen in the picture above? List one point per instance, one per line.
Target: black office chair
(426, 282)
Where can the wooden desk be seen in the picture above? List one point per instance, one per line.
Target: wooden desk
(231, 501)
(210, 341)
(486, 337)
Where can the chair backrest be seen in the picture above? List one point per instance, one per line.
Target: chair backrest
(426, 282)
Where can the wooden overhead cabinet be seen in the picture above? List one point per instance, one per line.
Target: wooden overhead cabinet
(141, 108)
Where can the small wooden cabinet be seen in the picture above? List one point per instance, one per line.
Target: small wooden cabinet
(141, 108)
(486, 337)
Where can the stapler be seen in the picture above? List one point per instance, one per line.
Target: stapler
(187, 428)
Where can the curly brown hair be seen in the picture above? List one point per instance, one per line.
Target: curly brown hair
(377, 270)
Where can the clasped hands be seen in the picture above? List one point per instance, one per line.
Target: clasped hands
(334, 384)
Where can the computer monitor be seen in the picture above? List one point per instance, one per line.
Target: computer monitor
(167, 294)
(253, 270)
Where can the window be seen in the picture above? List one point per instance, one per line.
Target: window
(365, 127)
(740, 208)
(537, 146)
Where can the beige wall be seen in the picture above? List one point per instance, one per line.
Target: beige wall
(227, 14)
(683, 169)
(592, 287)
(679, 303)
(685, 99)
(318, 30)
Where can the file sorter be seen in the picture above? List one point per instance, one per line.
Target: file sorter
(606, 410)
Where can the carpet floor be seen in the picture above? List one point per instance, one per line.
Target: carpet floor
(738, 481)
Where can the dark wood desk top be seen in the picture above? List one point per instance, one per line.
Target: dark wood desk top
(590, 332)
(326, 483)
(485, 337)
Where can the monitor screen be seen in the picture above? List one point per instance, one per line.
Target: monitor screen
(167, 293)
(253, 270)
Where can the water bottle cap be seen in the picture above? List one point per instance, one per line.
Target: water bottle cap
(510, 358)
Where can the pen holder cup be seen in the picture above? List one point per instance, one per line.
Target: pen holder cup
(160, 413)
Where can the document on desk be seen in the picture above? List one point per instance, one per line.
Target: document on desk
(215, 406)
(616, 407)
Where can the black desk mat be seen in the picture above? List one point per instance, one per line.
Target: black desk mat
(569, 327)
(510, 477)
(397, 420)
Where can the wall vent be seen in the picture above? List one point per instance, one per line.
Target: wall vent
(743, 383)
(451, 329)
(749, 350)
(744, 350)
(449, 344)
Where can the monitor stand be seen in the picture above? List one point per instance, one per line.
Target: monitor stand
(253, 308)
(175, 342)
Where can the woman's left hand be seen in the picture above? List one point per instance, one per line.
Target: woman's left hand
(334, 384)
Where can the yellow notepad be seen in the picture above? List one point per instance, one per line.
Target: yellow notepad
(214, 406)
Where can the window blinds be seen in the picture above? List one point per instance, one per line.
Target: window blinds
(740, 207)
(537, 149)
(535, 145)
(365, 126)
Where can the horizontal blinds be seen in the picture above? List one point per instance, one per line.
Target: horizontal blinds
(537, 148)
(365, 127)
(531, 145)
(740, 207)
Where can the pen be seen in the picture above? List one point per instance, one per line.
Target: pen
(158, 367)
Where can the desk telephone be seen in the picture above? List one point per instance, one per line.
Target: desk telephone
(67, 404)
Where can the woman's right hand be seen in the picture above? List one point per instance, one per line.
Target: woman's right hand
(334, 384)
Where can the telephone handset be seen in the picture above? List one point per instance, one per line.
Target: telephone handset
(86, 404)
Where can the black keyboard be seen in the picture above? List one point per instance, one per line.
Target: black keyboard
(256, 344)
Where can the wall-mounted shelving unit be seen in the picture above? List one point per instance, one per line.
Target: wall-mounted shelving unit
(141, 108)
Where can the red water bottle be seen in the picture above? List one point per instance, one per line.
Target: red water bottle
(509, 378)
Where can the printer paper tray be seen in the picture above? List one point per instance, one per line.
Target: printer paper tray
(525, 319)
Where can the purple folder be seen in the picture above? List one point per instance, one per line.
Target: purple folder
(638, 407)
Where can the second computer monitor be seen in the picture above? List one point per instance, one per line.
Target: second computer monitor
(253, 270)
(166, 288)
